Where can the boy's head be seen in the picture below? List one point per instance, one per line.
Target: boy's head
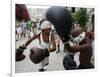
(76, 31)
(46, 26)
(78, 34)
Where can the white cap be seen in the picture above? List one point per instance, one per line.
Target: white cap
(45, 24)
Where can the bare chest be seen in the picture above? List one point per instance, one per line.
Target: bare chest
(45, 38)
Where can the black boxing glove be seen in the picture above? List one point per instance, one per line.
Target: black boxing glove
(37, 55)
(20, 50)
(22, 47)
(19, 53)
(69, 63)
(46, 52)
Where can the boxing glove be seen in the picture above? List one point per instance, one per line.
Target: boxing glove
(62, 20)
(19, 53)
(22, 47)
(37, 54)
(69, 63)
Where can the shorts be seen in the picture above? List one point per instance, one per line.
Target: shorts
(44, 62)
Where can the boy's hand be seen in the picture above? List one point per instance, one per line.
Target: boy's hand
(74, 47)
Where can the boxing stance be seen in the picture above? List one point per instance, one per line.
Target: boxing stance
(46, 39)
(62, 20)
(84, 47)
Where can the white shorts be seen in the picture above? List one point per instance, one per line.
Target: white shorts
(19, 30)
(44, 62)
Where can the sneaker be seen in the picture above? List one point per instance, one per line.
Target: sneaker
(42, 70)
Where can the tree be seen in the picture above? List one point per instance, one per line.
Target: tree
(81, 17)
(21, 12)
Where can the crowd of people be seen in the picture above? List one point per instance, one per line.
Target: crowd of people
(25, 29)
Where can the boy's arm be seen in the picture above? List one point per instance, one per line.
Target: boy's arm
(30, 40)
(86, 45)
(53, 48)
